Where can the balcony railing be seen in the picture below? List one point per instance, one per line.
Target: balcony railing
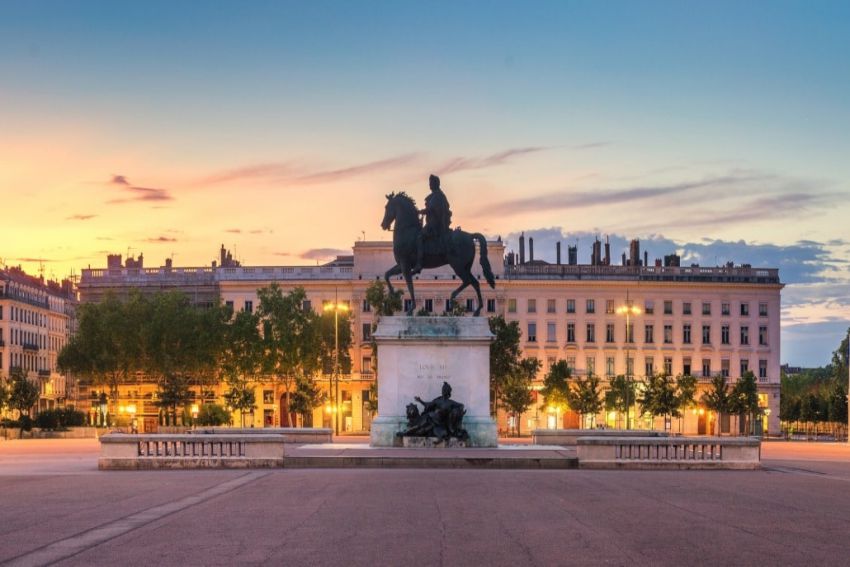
(30, 346)
(44, 373)
(647, 273)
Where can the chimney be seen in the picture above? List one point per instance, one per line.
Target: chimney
(607, 261)
(645, 258)
(558, 253)
(522, 249)
(624, 259)
(223, 254)
(530, 249)
(596, 253)
(572, 255)
(168, 262)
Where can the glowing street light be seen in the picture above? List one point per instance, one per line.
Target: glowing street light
(629, 309)
(336, 307)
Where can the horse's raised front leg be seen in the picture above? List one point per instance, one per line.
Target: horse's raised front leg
(394, 271)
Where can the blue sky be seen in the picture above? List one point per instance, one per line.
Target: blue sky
(720, 128)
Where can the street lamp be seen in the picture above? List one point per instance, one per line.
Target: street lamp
(628, 310)
(336, 307)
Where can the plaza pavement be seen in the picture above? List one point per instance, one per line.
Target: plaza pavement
(56, 507)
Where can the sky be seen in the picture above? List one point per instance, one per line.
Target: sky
(715, 129)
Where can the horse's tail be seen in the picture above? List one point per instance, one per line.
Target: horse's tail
(482, 258)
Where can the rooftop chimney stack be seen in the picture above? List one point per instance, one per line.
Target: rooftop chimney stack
(607, 261)
(558, 253)
(572, 255)
(530, 249)
(522, 249)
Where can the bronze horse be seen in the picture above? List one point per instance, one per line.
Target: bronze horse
(460, 253)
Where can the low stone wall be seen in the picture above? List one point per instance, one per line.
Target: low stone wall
(569, 437)
(669, 453)
(289, 434)
(120, 451)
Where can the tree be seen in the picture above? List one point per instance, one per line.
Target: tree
(173, 392)
(585, 398)
(515, 395)
(290, 337)
(556, 385)
(212, 415)
(837, 404)
(686, 390)
(505, 354)
(306, 397)
(659, 397)
(382, 304)
(241, 397)
(744, 401)
(241, 362)
(23, 396)
(4, 396)
(620, 394)
(716, 399)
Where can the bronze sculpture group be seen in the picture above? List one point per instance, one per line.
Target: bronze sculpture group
(436, 244)
(442, 418)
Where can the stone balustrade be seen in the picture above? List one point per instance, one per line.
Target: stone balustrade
(190, 451)
(569, 437)
(289, 434)
(669, 453)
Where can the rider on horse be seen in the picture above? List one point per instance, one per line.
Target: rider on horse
(438, 219)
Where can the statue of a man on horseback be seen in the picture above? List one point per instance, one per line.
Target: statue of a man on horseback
(416, 248)
(438, 220)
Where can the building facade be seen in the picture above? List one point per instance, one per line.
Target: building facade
(692, 320)
(37, 319)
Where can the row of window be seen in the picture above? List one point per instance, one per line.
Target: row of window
(27, 316)
(666, 367)
(21, 337)
(649, 333)
(649, 307)
(28, 362)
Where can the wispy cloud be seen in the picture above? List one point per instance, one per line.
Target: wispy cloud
(461, 163)
(323, 253)
(159, 239)
(136, 193)
(357, 170)
(567, 199)
(234, 230)
(260, 171)
(80, 217)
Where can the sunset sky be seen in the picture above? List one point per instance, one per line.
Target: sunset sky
(718, 129)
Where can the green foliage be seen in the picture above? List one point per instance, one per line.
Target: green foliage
(382, 302)
(556, 384)
(240, 397)
(60, 418)
(457, 309)
(328, 341)
(213, 415)
(504, 355)
(686, 390)
(4, 396)
(306, 397)
(23, 395)
(659, 396)
(515, 395)
(173, 393)
(585, 397)
(620, 394)
(744, 400)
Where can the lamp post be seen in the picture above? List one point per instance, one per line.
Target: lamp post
(628, 310)
(336, 307)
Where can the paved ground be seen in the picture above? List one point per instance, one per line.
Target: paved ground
(55, 507)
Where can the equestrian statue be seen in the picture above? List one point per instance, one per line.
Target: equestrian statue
(436, 244)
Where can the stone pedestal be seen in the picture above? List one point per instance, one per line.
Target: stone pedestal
(416, 355)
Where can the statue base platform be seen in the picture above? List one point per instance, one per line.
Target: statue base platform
(431, 443)
(482, 432)
(416, 355)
